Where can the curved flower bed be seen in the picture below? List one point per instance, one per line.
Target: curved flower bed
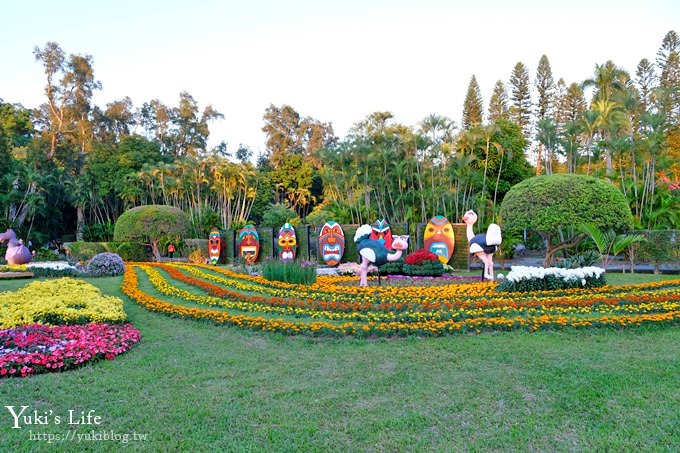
(337, 306)
(38, 348)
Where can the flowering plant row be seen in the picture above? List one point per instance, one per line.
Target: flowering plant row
(60, 301)
(37, 348)
(333, 306)
(529, 278)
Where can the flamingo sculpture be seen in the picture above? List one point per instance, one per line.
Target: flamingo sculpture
(482, 245)
(374, 251)
(17, 253)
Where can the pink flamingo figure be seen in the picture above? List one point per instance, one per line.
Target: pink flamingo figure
(17, 253)
(482, 245)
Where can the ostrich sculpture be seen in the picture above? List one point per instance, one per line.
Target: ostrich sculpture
(17, 253)
(483, 245)
(373, 251)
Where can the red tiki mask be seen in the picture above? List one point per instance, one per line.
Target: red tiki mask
(214, 245)
(331, 243)
(248, 244)
(382, 232)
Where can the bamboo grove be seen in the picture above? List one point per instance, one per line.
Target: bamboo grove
(70, 167)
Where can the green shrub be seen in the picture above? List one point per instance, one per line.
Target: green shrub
(299, 273)
(392, 267)
(153, 225)
(423, 263)
(132, 251)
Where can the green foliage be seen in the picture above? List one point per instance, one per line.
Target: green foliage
(84, 251)
(557, 205)
(277, 214)
(152, 224)
(550, 202)
(586, 258)
(608, 243)
(296, 272)
(132, 251)
(392, 267)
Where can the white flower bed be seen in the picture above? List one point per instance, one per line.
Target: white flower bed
(529, 278)
(58, 265)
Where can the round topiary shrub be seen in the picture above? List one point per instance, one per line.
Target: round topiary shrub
(106, 264)
(152, 225)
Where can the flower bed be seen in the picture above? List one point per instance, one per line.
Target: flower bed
(529, 278)
(59, 301)
(38, 348)
(338, 306)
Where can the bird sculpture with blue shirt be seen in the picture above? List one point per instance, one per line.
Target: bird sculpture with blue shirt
(375, 252)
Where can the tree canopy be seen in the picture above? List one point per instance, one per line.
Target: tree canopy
(556, 206)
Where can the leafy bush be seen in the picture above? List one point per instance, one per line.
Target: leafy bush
(299, 273)
(84, 251)
(105, 265)
(152, 224)
(528, 278)
(585, 259)
(392, 267)
(423, 263)
(132, 251)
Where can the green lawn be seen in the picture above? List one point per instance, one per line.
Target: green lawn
(191, 386)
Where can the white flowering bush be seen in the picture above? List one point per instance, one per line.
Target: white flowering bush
(529, 278)
(105, 264)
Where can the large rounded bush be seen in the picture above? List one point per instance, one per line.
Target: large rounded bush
(105, 265)
(152, 225)
(556, 206)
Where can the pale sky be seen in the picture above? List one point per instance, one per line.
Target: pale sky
(335, 61)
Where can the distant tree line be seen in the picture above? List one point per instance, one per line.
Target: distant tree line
(70, 167)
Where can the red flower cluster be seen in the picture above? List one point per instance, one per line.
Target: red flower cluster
(416, 258)
(38, 348)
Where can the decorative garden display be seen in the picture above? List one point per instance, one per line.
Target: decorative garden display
(331, 243)
(17, 253)
(439, 238)
(381, 231)
(287, 243)
(482, 245)
(249, 244)
(214, 245)
(374, 251)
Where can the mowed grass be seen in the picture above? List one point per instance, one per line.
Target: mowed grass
(192, 386)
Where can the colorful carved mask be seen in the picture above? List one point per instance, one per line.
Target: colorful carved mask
(287, 244)
(214, 245)
(331, 243)
(439, 239)
(382, 232)
(248, 244)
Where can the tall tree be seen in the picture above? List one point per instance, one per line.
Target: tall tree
(520, 84)
(498, 104)
(668, 61)
(473, 106)
(545, 87)
(645, 81)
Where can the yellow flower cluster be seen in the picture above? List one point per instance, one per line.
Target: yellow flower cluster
(59, 301)
(338, 306)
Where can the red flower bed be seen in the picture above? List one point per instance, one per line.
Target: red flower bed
(416, 258)
(38, 348)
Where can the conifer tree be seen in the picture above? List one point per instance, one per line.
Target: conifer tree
(498, 105)
(472, 108)
(545, 87)
(668, 61)
(520, 112)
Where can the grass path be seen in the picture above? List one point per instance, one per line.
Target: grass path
(191, 386)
